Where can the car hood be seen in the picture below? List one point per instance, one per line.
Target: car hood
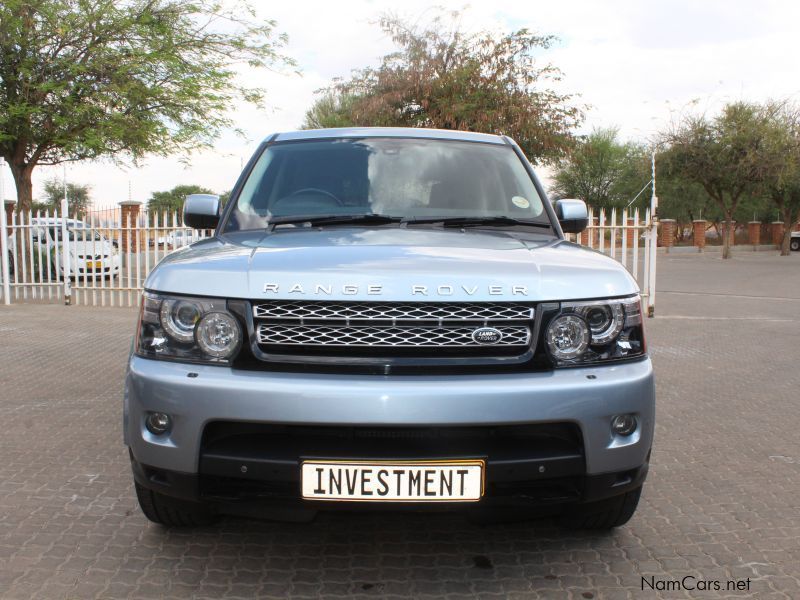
(391, 263)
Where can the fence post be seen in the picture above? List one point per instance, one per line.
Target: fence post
(8, 209)
(65, 254)
(650, 257)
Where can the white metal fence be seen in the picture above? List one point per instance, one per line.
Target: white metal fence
(630, 238)
(95, 260)
(103, 259)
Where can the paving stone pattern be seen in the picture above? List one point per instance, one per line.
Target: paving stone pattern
(721, 502)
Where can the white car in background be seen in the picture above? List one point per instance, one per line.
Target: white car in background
(91, 255)
(176, 239)
(794, 243)
(181, 237)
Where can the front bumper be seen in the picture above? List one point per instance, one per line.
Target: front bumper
(197, 395)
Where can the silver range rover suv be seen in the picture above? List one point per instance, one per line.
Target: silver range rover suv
(388, 317)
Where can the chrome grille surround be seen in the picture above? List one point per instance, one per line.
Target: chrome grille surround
(299, 310)
(300, 326)
(391, 336)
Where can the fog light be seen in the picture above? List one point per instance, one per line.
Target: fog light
(623, 424)
(158, 423)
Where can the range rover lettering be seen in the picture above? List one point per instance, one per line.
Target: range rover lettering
(388, 317)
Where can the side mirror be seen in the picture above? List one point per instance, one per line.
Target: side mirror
(572, 215)
(201, 211)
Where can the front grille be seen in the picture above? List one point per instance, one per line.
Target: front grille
(384, 337)
(425, 331)
(394, 311)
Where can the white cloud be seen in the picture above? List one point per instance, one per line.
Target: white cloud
(636, 63)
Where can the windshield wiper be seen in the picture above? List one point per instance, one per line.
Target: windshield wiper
(315, 220)
(478, 221)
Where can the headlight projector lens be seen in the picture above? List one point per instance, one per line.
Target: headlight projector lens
(178, 317)
(567, 337)
(219, 335)
(605, 321)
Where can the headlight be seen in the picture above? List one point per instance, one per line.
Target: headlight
(567, 337)
(190, 329)
(595, 331)
(218, 335)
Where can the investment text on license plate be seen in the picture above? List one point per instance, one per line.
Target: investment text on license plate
(395, 481)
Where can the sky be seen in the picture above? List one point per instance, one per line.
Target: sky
(637, 64)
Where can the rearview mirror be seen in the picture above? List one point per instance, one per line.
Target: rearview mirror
(572, 215)
(201, 211)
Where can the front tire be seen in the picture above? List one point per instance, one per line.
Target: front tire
(794, 244)
(604, 514)
(171, 512)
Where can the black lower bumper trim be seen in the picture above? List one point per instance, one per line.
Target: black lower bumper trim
(281, 499)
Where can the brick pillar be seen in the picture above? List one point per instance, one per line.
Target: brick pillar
(668, 233)
(130, 217)
(585, 233)
(754, 233)
(777, 233)
(699, 234)
(9, 210)
(797, 226)
(630, 233)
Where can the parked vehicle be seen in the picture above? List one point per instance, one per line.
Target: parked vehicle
(91, 254)
(389, 317)
(794, 242)
(181, 237)
(177, 238)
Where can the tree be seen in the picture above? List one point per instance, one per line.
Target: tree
(726, 155)
(602, 171)
(84, 79)
(783, 185)
(330, 110)
(77, 195)
(172, 200)
(443, 77)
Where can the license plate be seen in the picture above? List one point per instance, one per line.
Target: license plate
(393, 481)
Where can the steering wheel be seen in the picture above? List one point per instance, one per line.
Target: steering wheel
(318, 191)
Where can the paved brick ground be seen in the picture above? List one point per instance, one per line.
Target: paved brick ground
(721, 502)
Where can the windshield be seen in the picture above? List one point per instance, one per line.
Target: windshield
(406, 178)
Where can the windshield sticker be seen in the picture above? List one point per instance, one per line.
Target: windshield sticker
(520, 202)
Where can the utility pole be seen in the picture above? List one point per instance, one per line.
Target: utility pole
(651, 273)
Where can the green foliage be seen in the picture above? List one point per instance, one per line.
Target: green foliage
(782, 187)
(77, 196)
(84, 79)
(332, 109)
(727, 156)
(603, 171)
(445, 78)
(172, 200)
